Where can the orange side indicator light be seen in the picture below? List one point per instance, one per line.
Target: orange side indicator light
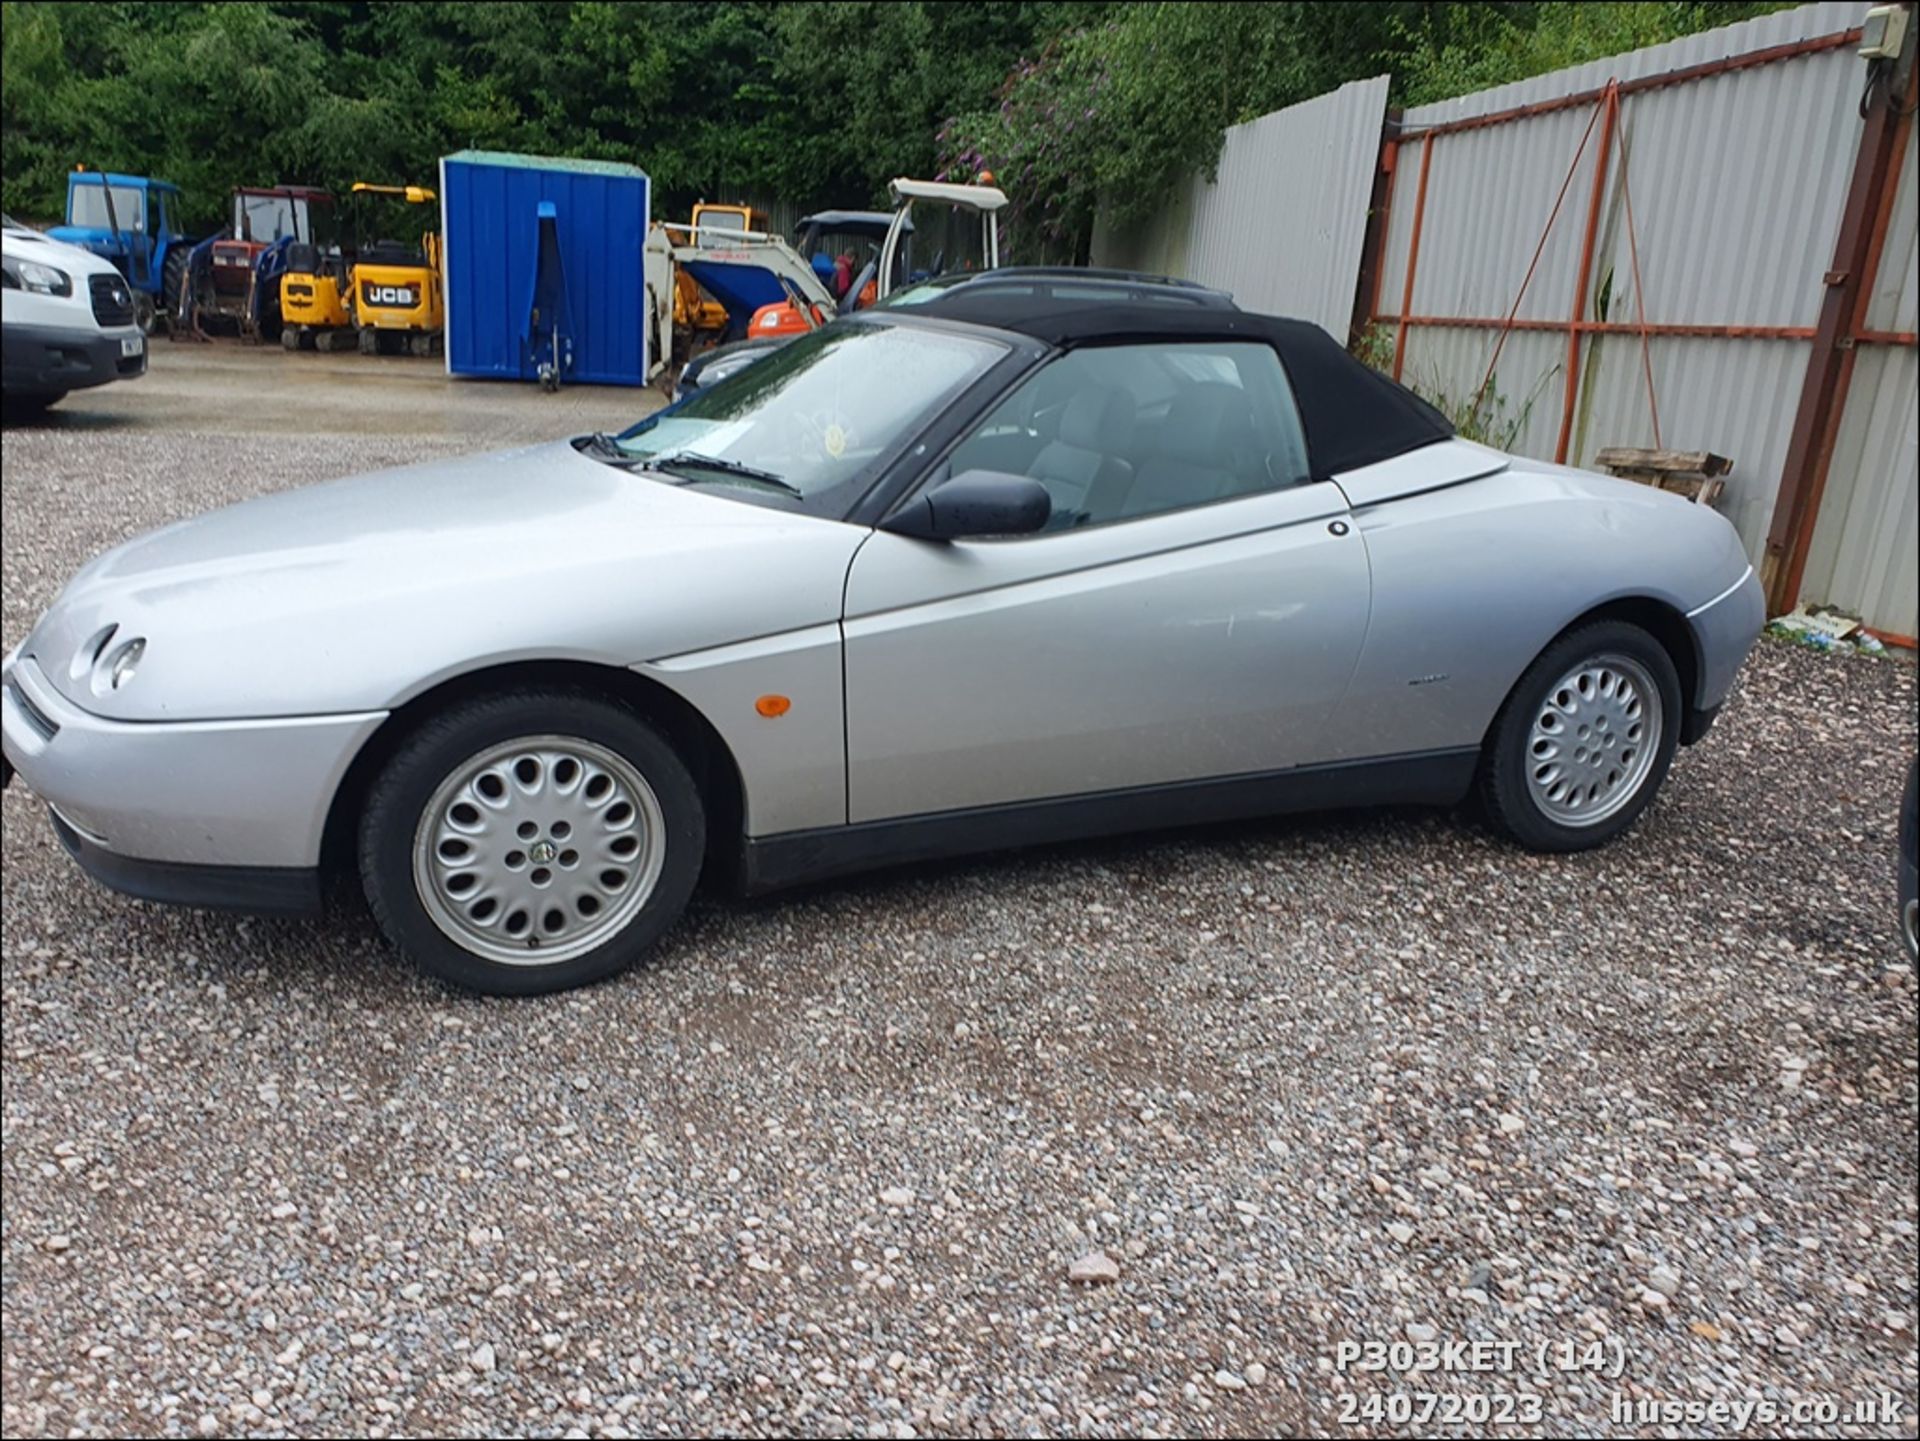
(773, 705)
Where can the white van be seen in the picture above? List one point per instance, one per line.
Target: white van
(66, 320)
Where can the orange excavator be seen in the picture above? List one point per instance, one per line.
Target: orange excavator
(699, 319)
(960, 223)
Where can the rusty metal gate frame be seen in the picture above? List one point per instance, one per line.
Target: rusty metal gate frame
(1842, 324)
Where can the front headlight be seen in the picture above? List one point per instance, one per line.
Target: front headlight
(122, 663)
(32, 275)
(104, 665)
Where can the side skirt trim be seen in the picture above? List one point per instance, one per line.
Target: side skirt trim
(769, 863)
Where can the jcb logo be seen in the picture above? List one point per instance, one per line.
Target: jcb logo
(388, 295)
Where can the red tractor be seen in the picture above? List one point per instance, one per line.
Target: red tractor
(233, 278)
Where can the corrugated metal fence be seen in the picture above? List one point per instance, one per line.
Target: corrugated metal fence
(1864, 556)
(1733, 152)
(1283, 223)
(1738, 176)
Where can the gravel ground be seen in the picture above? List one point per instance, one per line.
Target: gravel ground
(827, 1164)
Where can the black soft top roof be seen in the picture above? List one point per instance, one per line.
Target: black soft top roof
(1354, 415)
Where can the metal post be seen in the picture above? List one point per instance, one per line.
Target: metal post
(1373, 245)
(1610, 101)
(1413, 257)
(1849, 281)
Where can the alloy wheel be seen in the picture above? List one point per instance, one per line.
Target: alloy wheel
(1593, 740)
(538, 849)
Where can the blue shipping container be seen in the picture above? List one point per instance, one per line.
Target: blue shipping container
(543, 256)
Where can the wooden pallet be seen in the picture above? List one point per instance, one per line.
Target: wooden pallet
(1700, 475)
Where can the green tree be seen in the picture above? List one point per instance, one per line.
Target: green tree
(214, 92)
(1106, 117)
(818, 101)
(1456, 49)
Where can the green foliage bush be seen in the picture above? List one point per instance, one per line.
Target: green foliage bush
(1108, 117)
(818, 101)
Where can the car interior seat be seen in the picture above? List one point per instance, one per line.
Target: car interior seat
(1206, 449)
(1084, 459)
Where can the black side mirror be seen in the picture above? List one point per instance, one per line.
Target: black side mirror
(978, 502)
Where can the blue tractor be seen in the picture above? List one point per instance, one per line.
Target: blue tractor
(132, 221)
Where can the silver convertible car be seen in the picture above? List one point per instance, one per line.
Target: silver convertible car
(982, 573)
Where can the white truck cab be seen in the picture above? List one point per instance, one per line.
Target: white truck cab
(66, 320)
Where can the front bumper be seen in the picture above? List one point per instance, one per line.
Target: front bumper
(139, 802)
(51, 360)
(1724, 630)
(258, 890)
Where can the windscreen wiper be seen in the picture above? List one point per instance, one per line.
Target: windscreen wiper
(691, 460)
(605, 446)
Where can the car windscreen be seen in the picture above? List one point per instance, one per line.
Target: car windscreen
(922, 291)
(267, 218)
(948, 240)
(87, 206)
(810, 423)
(721, 218)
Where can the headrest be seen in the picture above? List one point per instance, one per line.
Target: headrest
(1098, 418)
(1211, 418)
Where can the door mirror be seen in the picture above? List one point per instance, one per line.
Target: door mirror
(977, 502)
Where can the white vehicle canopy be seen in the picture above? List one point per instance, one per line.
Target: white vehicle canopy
(963, 233)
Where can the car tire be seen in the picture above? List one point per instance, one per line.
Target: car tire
(575, 819)
(173, 286)
(369, 340)
(1584, 740)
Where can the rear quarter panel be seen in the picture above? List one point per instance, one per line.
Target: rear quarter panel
(1472, 580)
